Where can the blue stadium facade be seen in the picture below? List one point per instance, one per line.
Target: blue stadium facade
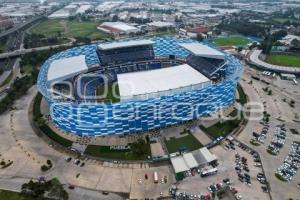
(94, 119)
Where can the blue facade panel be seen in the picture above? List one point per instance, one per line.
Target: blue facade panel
(139, 115)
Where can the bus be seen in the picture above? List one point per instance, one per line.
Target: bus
(209, 172)
(155, 177)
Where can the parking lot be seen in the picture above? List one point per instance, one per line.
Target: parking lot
(143, 186)
(226, 169)
(291, 163)
(280, 113)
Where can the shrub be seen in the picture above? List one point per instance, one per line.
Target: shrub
(44, 168)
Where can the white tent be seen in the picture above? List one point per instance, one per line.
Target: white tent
(179, 164)
(190, 160)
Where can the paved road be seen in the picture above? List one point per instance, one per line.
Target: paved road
(25, 51)
(20, 26)
(15, 184)
(254, 59)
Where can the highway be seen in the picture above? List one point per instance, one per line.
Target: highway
(255, 60)
(20, 26)
(20, 52)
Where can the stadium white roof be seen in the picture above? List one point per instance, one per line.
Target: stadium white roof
(66, 68)
(116, 45)
(203, 50)
(158, 80)
(179, 164)
(190, 160)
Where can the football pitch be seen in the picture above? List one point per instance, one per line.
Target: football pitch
(110, 95)
(69, 28)
(231, 41)
(284, 60)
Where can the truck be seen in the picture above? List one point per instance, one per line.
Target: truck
(155, 177)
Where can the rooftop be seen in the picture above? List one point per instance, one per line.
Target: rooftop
(190, 160)
(116, 45)
(199, 29)
(66, 68)
(161, 24)
(202, 50)
(179, 164)
(120, 26)
(158, 80)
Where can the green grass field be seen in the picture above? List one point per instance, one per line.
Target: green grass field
(2, 46)
(7, 80)
(112, 95)
(106, 152)
(9, 195)
(242, 95)
(283, 20)
(69, 28)
(44, 127)
(284, 60)
(223, 128)
(188, 141)
(231, 41)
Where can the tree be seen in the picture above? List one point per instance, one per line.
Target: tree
(115, 18)
(199, 37)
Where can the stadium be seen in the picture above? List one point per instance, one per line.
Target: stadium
(133, 86)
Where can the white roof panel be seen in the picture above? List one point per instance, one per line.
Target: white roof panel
(207, 156)
(66, 67)
(203, 50)
(158, 80)
(161, 24)
(179, 164)
(190, 160)
(120, 26)
(115, 45)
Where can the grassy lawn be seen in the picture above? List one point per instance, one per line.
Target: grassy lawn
(49, 27)
(284, 60)
(231, 41)
(44, 127)
(283, 20)
(26, 69)
(7, 80)
(242, 95)
(106, 152)
(188, 141)
(57, 138)
(9, 195)
(223, 128)
(113, 93)
(69, 29)
(2, 45)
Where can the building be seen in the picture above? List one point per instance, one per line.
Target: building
(193, 160)
(204, 157)
(157, 151)
(66, 12)
(159, 25)
(288, 39)
(118, 28)
(159, 82)
(5, 23)
(179, 167)
(287, 76)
